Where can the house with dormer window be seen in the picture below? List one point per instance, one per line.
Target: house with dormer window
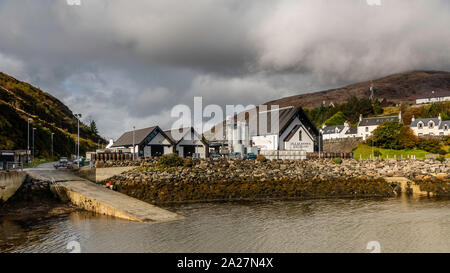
(430, 126)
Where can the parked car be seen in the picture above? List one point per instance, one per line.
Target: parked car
(212, 156)
(235, 155)
(250, 156)
(62, 163)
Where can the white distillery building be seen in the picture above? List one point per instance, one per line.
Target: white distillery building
(434, 96)
(293, 138)
(367, 125)
(338, 131)
(430, 126)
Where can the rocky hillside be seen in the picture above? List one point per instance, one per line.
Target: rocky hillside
(403, 87)
(20, 101)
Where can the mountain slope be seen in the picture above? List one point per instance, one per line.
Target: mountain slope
(20, 101)
(397, 88)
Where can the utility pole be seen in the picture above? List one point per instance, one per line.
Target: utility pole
(33, 143)
(52, 145)
(78, 116)
(134, 134)
(28, 139)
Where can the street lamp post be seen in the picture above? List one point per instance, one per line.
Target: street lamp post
(134, 149)
(52, 145)
(28, 139)
(78, 116)
(33, 142)
(320, 138)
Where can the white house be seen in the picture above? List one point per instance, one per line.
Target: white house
(338, 132)
(435, 96)
(367, 125)
(430, 126)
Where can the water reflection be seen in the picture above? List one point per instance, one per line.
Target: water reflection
(335, 225)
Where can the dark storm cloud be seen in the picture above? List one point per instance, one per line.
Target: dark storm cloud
(127, 63)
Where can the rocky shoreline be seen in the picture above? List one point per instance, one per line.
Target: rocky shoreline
(225, 180)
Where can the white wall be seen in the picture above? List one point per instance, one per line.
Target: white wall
(363, 133)
(266, 143)
(306, 144)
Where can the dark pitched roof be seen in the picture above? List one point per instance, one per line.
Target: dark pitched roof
(292, 133)
(352, 131)
(127, 138)
(176, 140)
(425, 121)
(377, 120)
(443, 123)
(286, 116)
(436, 94)
(332, 129)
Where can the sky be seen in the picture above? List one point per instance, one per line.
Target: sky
(127, 63)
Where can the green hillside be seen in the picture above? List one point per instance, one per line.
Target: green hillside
(20, 101)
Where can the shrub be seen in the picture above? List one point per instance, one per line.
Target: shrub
(337, 161)
(431, 146)
(187, 162)
(377, 153)
(447, 140)
(171, 160)
(261, 158)
(441, 159)
(407, 139)
(387, 135)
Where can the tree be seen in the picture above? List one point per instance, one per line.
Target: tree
(336, 119)
(387, 135)
(407, 139)
(93, 127)
(377, 109)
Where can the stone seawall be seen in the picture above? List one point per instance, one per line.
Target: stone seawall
(10, 182)
(208, 180)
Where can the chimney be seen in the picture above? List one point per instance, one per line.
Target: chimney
(360, 117)
(400, 116)
(346, 124)
(440, 118)
(323, 126)
(413, 118)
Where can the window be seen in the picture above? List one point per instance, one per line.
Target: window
(367, 129)
(420, 134)
(420, 125)
(431, 125)
(445, 127)
(299, 135)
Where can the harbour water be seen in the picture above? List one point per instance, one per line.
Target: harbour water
(329, 225)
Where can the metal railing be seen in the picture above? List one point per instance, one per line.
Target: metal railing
(13, 166)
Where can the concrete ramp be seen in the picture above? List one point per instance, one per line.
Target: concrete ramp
(96, 198)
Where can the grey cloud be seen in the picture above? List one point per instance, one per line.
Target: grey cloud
(127, 63)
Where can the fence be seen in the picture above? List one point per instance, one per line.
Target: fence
(293, 155)
(329, 155)
(112, 157)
